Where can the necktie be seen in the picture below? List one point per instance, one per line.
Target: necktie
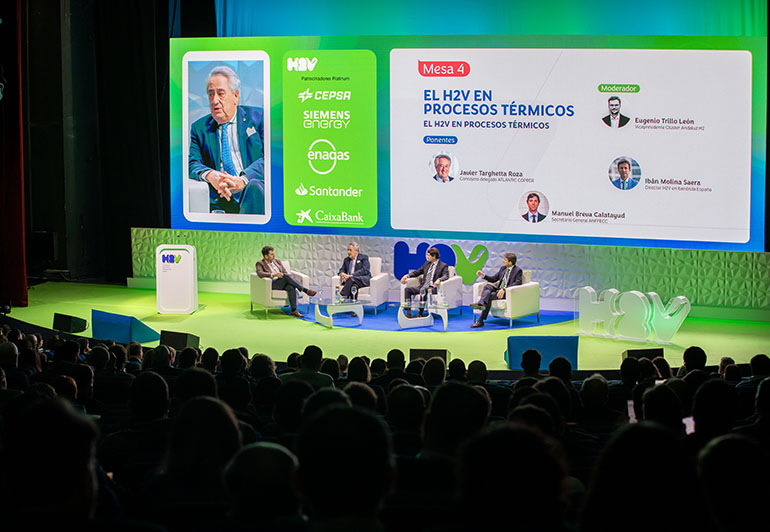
(504, 282)
(429, 275)
(227, 156)
(532, 218)
(352, 265)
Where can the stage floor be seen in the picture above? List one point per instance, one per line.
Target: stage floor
(224, 321)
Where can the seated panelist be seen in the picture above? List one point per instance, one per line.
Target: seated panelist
(354, 270)
(433, 270)
(271, 268)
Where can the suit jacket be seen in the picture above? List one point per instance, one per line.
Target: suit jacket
(540, 217)
(630, 183)
(513, 279)
(441, 272)
(448, 179)
(622, 120)
(360, 270)
(263, 268)
(205, 152)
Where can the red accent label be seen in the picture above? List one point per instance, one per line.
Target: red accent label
(449, 69)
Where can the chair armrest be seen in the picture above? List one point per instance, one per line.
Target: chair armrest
(260, 288)
(300, 277)
(452, 289)
(378, 288)
(477, 288)
(524, 297)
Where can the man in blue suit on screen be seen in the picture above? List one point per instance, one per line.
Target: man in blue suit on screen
(625, 180)
(227, 148)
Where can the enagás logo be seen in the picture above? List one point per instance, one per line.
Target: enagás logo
(332, 192)
(322, 156)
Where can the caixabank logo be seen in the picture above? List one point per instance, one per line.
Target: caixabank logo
(466, 265)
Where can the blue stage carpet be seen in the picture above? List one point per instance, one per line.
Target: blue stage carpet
(387, 320)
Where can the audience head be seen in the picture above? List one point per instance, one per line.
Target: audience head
(204, 437)
(148, 397)
(396, 359)
(556, 388)
(341, 434)
(477, 372)
(65, 387)
(434, 371)
(361, 395)
(760, 366)
(195, 382)
(595, 391)
(535, 501)
(714, 407)
(210, 359)
(456, 370)
(342, 361)
(661, 405)
(322, 399)
(762, 399)
(162, 357)
(530, 361)
(561, 368)
(237, 393)
(456, 412)
(292, 361)
(533, 416)
(67, 351)
(731, 470)
(664, 368)
(331, 367)
(188, 358)
(732, 373)
(724, 362)
(406, 408)
(358, 370)
(547, 403)
(415, 366)
(647, 370)
(9, 355)
(288, 405)
(99, 357)
(694, 357)
(378, 367)
(233, 363)
(260, 483)
(630, 371)
(311, 358)
(261, 366)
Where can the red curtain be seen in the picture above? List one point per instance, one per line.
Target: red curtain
(13, 275)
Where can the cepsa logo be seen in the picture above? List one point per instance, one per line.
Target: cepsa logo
(466, 266)
(451, 69)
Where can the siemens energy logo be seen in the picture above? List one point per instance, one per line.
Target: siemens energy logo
(330, 192)
(322, 156)
(170, 259)
(301, 64)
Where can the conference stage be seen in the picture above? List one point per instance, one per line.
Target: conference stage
(225, 320)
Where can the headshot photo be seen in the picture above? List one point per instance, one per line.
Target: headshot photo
(625, 173)
(614, 119)
(226, 168)
(534, 207)
(444, 168)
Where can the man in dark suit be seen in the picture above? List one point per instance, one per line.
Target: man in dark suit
(508, 275)
(615, 119)
(433, 271)
(271, 268)
(227, 148)
(354, 270)
(533, 203)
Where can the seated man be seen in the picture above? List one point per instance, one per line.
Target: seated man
(227, 148)
(434, 271)
(508, 275)
(354, 270)
(272, 268)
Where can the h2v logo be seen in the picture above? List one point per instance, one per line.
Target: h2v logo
(170, 259)
(453, 255)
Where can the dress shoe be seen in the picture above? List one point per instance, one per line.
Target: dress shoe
(477, 324)
(297, 314)
(409, 313)
(311, 293)
(477, 306)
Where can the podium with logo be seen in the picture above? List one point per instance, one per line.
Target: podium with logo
(176, 279)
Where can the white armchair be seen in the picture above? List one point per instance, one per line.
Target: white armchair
(262, 292)
(452, 288)
(376, 293)
(198, 194)
(521, 300)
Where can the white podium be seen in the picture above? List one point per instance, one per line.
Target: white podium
(176, 279)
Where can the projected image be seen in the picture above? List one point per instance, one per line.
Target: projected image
(625, 173)
(533, 206)
(227, 137)
(445, 168)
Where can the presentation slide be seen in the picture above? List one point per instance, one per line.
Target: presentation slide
(630, 141)
(552, 142)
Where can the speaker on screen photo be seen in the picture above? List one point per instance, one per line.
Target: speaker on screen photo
(625, 173)
(445, 167)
